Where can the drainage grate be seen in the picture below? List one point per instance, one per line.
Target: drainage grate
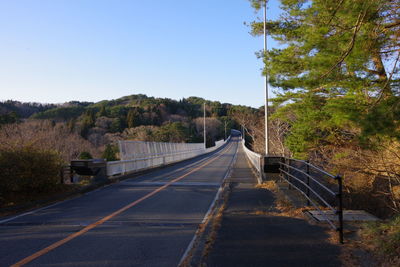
(348, 215)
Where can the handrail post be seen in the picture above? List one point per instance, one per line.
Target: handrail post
(308, 182)
(340, 208)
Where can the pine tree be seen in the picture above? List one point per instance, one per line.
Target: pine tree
(109, 153)
(133, 118)
(102, 112)
(333, 69)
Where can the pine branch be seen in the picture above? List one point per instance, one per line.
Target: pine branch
(357, 28)
(335, 11)
(393, 24)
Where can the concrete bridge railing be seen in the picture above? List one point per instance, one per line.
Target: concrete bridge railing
(255, 160)
(138, 155)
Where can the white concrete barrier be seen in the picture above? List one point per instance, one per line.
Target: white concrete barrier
(255, 160)
(138, 155)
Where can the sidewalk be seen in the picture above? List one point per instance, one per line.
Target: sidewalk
(248, 239)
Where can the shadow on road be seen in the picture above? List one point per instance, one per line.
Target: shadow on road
(252, 233)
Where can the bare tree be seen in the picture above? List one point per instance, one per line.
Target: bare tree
(48, 135)
(213, 127)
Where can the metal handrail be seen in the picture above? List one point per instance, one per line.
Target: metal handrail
(312, 178)
(315, 205)
(315, 193)
(285, 174)
(315, 167)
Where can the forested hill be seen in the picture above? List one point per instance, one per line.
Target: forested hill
(11, 111)
(137, 117)
(136, 110)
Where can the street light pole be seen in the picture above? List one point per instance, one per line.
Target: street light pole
(204, 124)
(266, 81)
(225, 130)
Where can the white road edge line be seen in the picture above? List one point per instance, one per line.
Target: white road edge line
(30, 212)
(52, 205)
(228, 172)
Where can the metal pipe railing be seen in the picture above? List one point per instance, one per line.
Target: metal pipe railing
(314, 167)
(310, 177)
(291, 174)
(310, 189)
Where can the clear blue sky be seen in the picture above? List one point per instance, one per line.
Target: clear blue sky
(54, 51)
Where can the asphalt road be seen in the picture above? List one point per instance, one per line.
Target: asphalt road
(148, 220)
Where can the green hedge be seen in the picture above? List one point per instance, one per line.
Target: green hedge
(28, 169)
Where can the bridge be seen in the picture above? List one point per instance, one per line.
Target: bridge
(160, 217)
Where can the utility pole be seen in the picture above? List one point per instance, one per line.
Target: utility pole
(266, 81)
(204, 125)
(225, 130)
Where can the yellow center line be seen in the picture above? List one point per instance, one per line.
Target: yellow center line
(108, 217)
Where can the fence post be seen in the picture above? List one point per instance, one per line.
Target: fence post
(340, 207)
(308, 181)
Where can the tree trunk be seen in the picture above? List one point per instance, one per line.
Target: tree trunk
(386, 90)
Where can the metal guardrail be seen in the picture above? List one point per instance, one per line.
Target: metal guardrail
(319, 187)
(255, 160)
(142, 161)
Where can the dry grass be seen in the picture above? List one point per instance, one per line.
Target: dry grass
(209, 231)
(357, 251)
(282, 204)
(269, 185)
(216, 225)
(350, 255)
(383, 240)
(210, 238)
(370, 244)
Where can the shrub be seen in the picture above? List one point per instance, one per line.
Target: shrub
(85, 155)
(28, 169)
(109, 152)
